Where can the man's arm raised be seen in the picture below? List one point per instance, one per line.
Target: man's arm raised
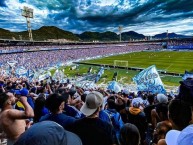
(16, 114)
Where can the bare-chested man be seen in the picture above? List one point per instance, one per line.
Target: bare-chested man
(13, 121)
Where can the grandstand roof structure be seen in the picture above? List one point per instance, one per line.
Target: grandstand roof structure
(10, 42)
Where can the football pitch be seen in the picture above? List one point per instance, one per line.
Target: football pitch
(169, 61)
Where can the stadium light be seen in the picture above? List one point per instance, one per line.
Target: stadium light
(28, 13)
(120, 30)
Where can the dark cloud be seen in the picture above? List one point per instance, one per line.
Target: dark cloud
(2, 3)
(178, 6)
(102, 15)
(129, 17)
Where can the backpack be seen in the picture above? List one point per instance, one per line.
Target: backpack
(114, 119)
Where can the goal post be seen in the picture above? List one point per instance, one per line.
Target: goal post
(120, 63)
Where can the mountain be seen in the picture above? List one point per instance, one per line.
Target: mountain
(97, 36)
(6, 34)
(52, 32)
(126, 36)
(49, 32)
(170, 35)
(109, 36)
(41, 34)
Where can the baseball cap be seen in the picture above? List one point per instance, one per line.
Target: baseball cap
(126, 91)
(48, 133)
(136, 102)
(172, 136)
(92, 102)
(186, 136)
(161, 98)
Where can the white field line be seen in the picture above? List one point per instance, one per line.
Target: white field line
(169, 66)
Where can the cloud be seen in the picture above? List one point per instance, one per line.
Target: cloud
(2, 3)
(144, 16)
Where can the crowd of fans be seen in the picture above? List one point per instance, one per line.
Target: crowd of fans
(54, 113)
(47, 113)
(7, 49)
(40, 59)
(180, 44)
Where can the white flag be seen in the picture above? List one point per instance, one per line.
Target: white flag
(149, 80)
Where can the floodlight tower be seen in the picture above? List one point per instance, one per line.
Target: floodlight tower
(167, 39)
(28, 13)
(120, 30)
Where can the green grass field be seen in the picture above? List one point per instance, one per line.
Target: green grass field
(174, 61)
(124, 76)
(170, 61)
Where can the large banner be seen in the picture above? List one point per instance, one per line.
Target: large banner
(86, 84)
(149, 80)
(44, 76)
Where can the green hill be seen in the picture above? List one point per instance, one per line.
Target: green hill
(41, 34)
(49, 32)
(6, 34)
(97, 36)
(52, 32)
(126, 36)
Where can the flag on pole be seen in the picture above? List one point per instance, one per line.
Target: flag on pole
(149, 80)
(30, 74)
(12, 63)
(100, 73)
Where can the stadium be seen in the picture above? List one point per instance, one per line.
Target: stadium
(95, 72)
(130, 57)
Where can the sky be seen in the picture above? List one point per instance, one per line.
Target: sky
(148, 17)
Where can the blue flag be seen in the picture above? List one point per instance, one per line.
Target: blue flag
(114, 86)
(149, 80)
(30, 74)
(100, 73)
(21, 72)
